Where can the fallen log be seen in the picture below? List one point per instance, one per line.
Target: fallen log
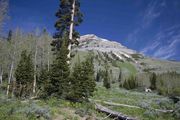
(131, 106)
(113, 114)
(117, 104)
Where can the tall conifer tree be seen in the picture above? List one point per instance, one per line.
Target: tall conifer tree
(106, 81)
(69, 16)
(43, 83)
(153, 81)
(9, 35)
(24, 73)
(120, 75)
(60, 71)
(82, 81)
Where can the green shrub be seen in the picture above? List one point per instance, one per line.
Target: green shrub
(151, 114)
(12, 109)
(162, 91)
(176, 91)
(34, 111)
(176, 112)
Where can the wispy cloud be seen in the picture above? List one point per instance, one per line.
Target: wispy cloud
(152, 12)
(168, 51)
(150, 47)
(165, 44)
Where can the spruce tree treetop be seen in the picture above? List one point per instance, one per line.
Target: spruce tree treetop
(9, 35)
(63, 22)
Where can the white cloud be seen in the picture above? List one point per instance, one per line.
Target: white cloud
(151, 47)
(152, 12)
(165, 44)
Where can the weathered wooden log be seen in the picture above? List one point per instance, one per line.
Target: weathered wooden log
(113, 114)
(117, 104)
(131, 106)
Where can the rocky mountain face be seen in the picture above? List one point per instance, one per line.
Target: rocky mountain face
(92, 42)
(118, 57)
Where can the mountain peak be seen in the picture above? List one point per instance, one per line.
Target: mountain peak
(91, 41)
(93, 37)
(89, 37)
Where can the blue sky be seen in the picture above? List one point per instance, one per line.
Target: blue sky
(151, 27)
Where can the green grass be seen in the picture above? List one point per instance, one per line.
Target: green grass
(126, 66)
(149, 101)
(118, 95)
(14, 109)
(51, 109)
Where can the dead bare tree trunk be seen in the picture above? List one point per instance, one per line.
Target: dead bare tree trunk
(20, 90)
(48, 60)
(1, 76)
(13, 86)
(10, 76)
(35, 62)
(71, 28)
(131, 106)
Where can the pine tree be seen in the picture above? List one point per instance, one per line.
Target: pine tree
(132, 82)
(106, 81)
(9, 35)
(98, 77)
(88, 76)
(120, 75)
(60, 72)
(153, 81)
(82, 81)
(43, 83)
(68, 15)
(24, 74)
(126, 85)
(74, 92)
